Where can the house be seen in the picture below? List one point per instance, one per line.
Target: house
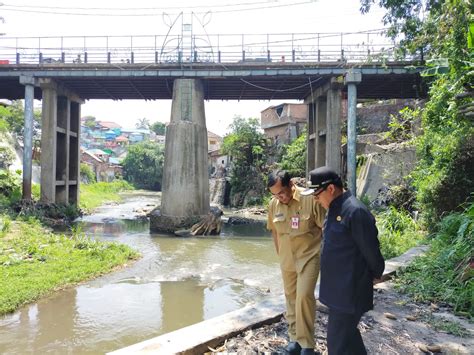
(100, 165)
(108, 125)
(218, 163)
(284, 123)
(136, 135)
(214, 141)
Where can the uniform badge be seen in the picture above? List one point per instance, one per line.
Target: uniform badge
(295, 222)
(338, 218)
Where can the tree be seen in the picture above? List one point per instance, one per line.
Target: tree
(407, 17)
(248, 149)
(294, 159)
(143, 165)
(444, 176)
(159, 128)
(90, 121)
(143, 123)
(13, 116)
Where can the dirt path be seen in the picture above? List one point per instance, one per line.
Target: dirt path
(386, 330)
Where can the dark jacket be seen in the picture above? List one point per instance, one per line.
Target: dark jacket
(351, 257)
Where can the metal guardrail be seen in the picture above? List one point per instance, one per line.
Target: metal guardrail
(367, 46)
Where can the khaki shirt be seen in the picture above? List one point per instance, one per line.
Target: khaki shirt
(302, 241)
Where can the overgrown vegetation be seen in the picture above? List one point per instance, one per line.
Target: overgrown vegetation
(34, 263)
(294, 158)
(248, 148)
(398, 232)
(96, 194)
(444, 177)
(445, 273)
(143, 166)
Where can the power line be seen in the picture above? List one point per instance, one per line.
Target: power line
(13, 8)
(136, 8)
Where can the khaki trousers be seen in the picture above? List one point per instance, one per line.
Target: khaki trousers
(301, 302)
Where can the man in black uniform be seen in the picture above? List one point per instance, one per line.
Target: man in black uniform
(351, 261)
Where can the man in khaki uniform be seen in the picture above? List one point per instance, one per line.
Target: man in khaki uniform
(296, 222)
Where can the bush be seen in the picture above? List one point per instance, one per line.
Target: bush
(294, 159)
(143, 166)
(444, 273)
(398, 232)
(87, 175)
(7, 156)
(10, 188)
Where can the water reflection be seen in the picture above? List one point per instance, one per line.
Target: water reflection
(177, 282)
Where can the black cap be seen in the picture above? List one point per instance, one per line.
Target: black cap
(321, 177)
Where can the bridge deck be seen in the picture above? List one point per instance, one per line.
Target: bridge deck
(230, 81)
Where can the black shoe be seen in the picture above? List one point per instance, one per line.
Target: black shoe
(293, 348)
(307, 351)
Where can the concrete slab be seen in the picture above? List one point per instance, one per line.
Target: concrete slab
(196, 338)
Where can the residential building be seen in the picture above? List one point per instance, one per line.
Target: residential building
(284, 123)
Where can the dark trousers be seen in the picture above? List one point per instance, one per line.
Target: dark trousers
(343, 337)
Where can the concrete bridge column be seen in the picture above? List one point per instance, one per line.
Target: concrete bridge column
(311, 138)
(333, 126)
(60, 147)
(321, 134)
(185, 189)
(29, 83)
(351, 79)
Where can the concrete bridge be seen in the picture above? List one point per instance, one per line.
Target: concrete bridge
(63, 83)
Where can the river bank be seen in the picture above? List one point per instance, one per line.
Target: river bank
(397, 325)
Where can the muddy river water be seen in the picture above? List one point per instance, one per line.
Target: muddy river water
(177, 282)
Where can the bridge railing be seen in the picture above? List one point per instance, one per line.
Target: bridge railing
(367, 46)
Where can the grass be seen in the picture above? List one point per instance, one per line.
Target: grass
(445, 273)
(34, 262)
(441, 324)
(398, 232)
(96, 194)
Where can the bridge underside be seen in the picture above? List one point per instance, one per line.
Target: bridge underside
(232, 83)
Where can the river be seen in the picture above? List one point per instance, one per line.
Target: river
(177, 282)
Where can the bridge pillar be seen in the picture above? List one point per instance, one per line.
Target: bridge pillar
(60, 147)
(29, 83)
(324, 126)
(333, 125)
(185, 188)
(351, 79)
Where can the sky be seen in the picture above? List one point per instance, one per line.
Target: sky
(152, 17)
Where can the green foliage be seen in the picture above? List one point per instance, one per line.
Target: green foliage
(13, 117)
(398, 232)
(90, 121)
(445, 273)
(143, 166)
(96, 194)
(248, 149)
(10, 188)
(159, 128)
(35, 263)
(7, 156)
(294, 158)
(444, 176)
(87, 175)
(401, 125)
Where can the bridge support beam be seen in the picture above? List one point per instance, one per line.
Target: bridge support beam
(29, 83)
(60, 146)
(185, 190)
(324, 126)
(351, 79)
